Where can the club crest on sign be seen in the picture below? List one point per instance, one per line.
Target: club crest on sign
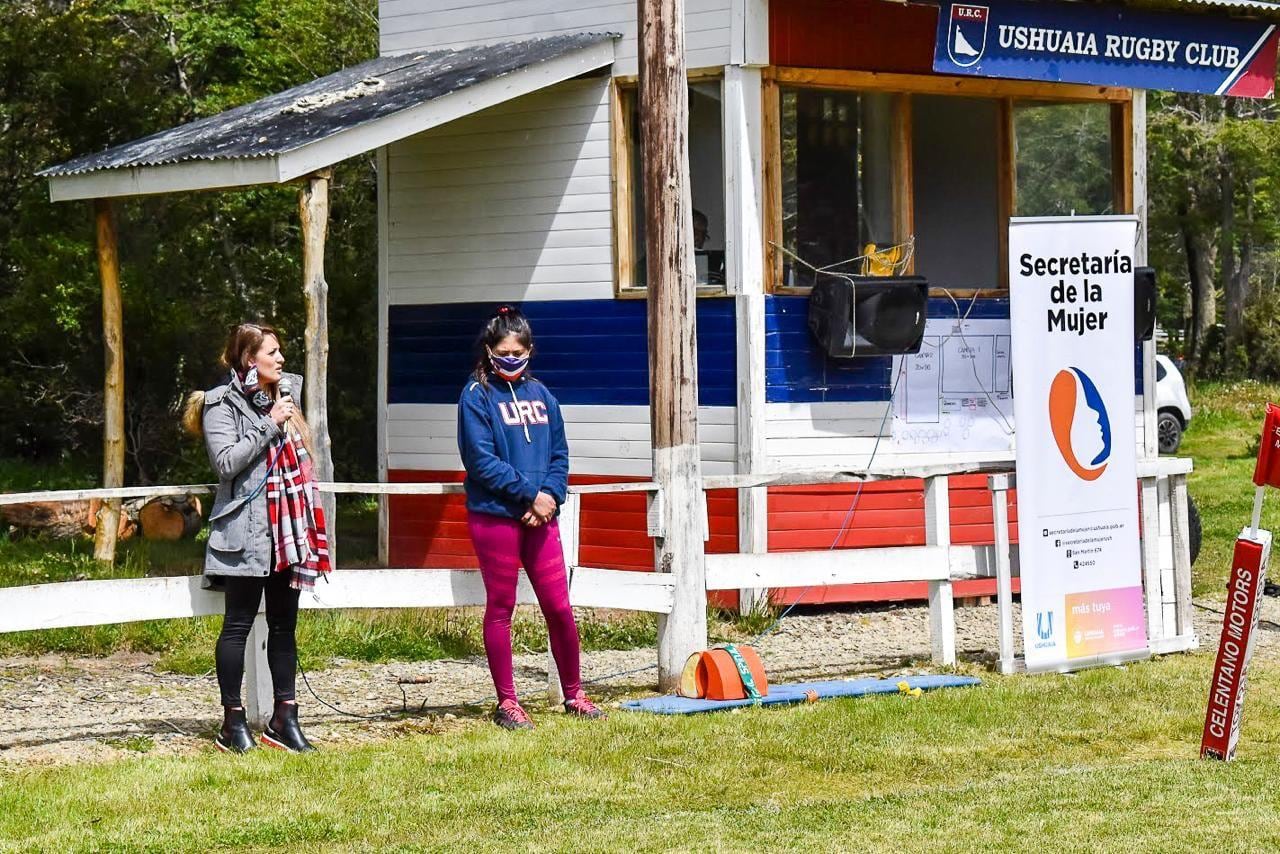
(967, 35)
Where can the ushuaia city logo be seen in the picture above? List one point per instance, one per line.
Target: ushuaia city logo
(1080, 425)
(967, 40)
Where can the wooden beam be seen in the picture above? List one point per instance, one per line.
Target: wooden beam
(771, 129)
(313, 209)
(940, 84)
(1006, 183)
(1122, 157)
(621, 170)
(673, 366)
(904, 205)
(104, 543)
(383, 167)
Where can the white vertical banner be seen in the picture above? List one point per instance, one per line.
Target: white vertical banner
(1071, 306)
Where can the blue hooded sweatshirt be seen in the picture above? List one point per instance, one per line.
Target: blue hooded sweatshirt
(511, 437)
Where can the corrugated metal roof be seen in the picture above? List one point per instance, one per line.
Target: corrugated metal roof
(340, 101)
(1234, 8)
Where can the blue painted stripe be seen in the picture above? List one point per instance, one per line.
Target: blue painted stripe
(796, 371)
(588, 351)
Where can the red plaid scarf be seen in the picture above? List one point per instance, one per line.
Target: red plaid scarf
(295, 515)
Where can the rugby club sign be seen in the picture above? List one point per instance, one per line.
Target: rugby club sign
(1108, 46)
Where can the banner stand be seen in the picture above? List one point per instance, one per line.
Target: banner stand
(1071, 305)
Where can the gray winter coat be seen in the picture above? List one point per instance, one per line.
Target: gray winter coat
(238, 440)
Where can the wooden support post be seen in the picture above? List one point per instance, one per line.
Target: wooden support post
(313, 209)
(999, 486)
(1182, 558)
(744, 264)
(384, 307)
(673, 374)
(1150, 510)
(104, 542)
(937, 532)
(259, 700)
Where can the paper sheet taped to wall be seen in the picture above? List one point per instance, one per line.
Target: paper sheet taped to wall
(955, 394)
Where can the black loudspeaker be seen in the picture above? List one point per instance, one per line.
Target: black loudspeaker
(1144, 303)
(869, 315)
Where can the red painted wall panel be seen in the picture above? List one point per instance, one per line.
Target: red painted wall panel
(430, 530)
(863, 35)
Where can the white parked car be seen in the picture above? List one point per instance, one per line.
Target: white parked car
(1172, 406)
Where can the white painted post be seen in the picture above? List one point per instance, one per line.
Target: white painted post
(999, 486)
(937, 526)
(744, 268)
(259, 698)
(1182, 559)
(1150, 509)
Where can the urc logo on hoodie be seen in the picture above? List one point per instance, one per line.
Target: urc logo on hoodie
(517, 412)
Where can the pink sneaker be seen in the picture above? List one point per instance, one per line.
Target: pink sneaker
(509, 715)
(582, 707)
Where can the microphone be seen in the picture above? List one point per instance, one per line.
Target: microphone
(286, 391)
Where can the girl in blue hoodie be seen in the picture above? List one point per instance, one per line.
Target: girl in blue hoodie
(512, 442)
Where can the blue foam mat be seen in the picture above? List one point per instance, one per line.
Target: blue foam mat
(797, 692)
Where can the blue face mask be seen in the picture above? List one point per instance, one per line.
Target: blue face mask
(508, 367)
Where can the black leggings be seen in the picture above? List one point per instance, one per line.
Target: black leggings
(244, 595)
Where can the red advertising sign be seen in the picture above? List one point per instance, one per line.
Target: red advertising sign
(1239, 623)
(1267, 471)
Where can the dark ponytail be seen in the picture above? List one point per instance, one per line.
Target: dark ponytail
(506, 320)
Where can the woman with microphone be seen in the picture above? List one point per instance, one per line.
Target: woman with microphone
(266, 528)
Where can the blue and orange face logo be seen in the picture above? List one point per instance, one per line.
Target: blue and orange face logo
(1079, 423)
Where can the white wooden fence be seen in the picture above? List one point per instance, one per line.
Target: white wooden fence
(938, 562)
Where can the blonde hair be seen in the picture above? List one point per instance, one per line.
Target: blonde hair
(243, 342)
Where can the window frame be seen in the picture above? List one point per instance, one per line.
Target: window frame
(1006, 92)
(621, 167)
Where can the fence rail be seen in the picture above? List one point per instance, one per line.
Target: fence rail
(1167, 571)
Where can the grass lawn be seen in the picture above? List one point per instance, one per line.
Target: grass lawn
(1223, 441)
(1104, 760)
(1101, 760)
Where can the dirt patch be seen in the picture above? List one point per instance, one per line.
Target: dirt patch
(61, 710)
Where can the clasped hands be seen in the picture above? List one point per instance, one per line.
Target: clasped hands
(542, 511)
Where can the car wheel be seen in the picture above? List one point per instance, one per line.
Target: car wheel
(1169, 432)
(1194, 532)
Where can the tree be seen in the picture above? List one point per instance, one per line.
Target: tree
(193, 264)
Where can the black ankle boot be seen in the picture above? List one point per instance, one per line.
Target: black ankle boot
(283, 732)
(234, 736)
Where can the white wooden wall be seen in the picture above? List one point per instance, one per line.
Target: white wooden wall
(604, 440)
(408, 25)
(803, 436)
(512, 203)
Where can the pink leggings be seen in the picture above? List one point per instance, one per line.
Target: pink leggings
(503, 546)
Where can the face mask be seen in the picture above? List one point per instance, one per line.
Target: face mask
(508, 367)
